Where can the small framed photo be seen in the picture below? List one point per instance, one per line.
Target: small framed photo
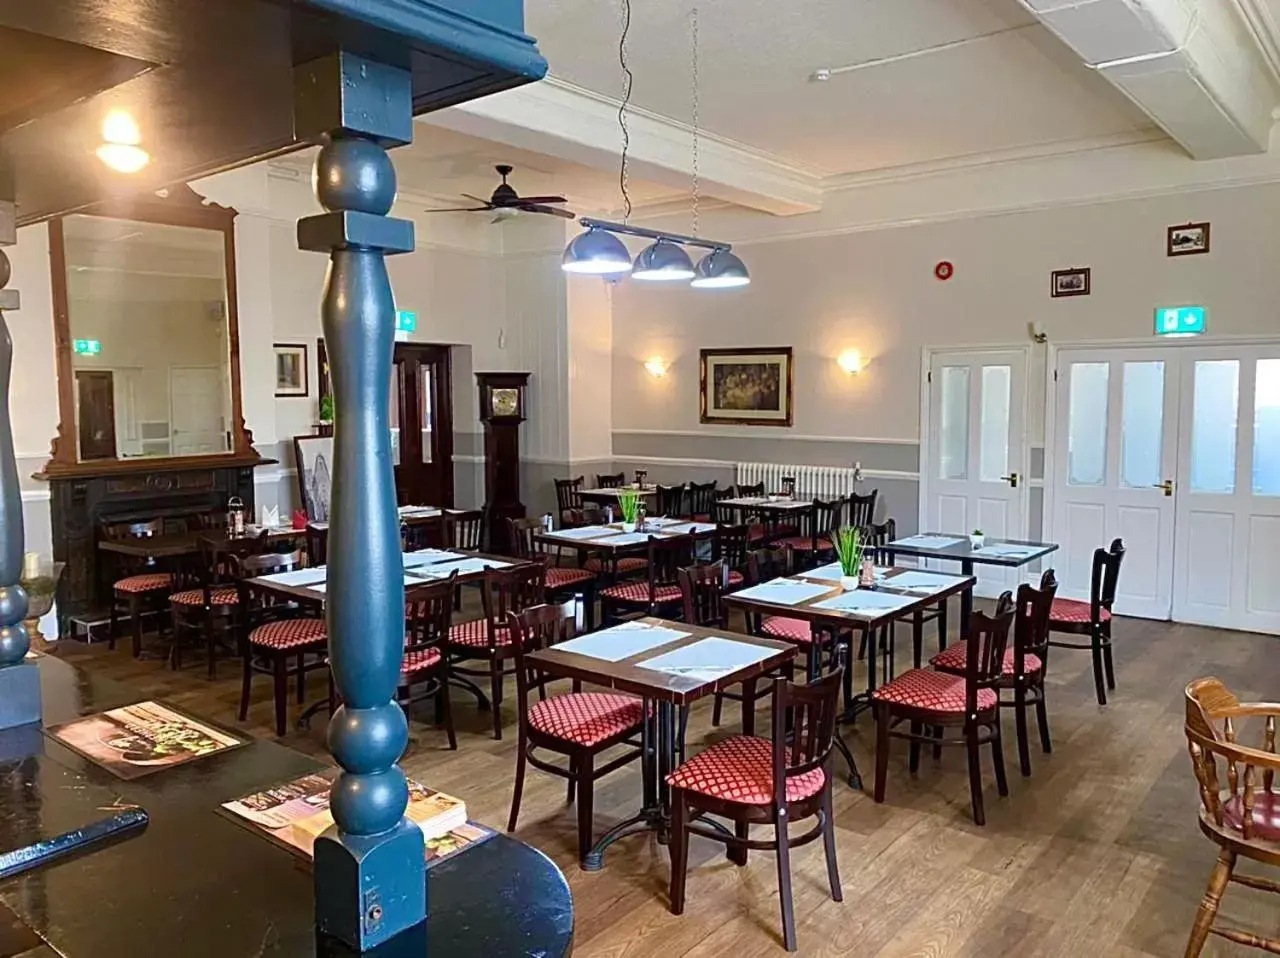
(291, 369)
(1188, 240)
(1071, 282)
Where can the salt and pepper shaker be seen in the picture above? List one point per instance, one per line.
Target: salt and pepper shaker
(608, 515)
(548, 522)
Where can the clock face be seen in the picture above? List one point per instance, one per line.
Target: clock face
(505, 402)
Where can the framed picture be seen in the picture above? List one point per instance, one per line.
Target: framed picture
(1188, 240)
(1071, 282)
(747, 387)
(314, 458)
(291, 369)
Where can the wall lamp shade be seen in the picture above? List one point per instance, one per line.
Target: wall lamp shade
(657, 368)
(663, 262)
(850, 361)
(720, 269)
(597, 253)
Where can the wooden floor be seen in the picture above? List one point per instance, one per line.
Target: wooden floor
(1097, 854)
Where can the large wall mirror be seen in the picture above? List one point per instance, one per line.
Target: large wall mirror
(145, 320)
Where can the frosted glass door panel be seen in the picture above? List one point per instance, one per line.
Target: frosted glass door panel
(955, 422)
(1087, 424)
(1142, 425)
(1266, 429)
(993, 449)
(1213, 428)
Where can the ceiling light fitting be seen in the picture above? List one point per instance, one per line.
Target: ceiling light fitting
(120, 150)
(599, 251)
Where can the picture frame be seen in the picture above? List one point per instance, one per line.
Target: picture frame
(313, 459)
(291, 369)
(747, 387)
(1189, 239)
(1077, 281)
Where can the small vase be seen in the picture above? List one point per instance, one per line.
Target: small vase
(848, 582)
(977, 542)
(628, 527)
(867, 577)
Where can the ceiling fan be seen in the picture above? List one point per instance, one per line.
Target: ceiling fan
(505, 199)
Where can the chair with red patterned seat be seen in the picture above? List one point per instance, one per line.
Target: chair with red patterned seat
(578, 725)
(700, 501)
(144, 588)
(274, 633)
(562, 581)
(752, 780)
(511, 589)
(205, 596)
(862, 509)
(730, 545)
(1025, 665)
(878, 537)
(939, 700)
(424, 672)
(764, 565)
(660, 591)
(817, 532)
(1093, 618)
(569, 501)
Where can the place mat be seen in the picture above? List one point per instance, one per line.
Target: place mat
(925, 583)
(421, 511)
(430, 557)
(628, 538)
(297, 577)
(1008, 551)
(585, 532)
(831, 572)
(463, 566)
(688, 528)
(783, 591)
(926, 542)
(621, 641)
(709, 659)
(866, 602)
(409, 580)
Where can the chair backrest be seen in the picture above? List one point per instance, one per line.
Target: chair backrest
(520, 533)
(512, 589)
(825, 517)
(764, 565)
(612, 481)
(569, 494)
(428, 613)
(669, 500)
(701, 499)
(987, 642)
(423, 533)
(862, 509)
(317, 544)
(217, 561)
(728, 492)
(1211, 716)
(534, 628)
(251, 567)
(666, 557)
(703, 588)
(1031, 626)
(1106, 577)
(878, 537)
(804, 726)
(750, 492)
(787, 485)
(730, 544)
(465, 530)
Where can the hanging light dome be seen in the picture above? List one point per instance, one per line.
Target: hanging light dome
(596, 252)
(720, 269)
(663, 262)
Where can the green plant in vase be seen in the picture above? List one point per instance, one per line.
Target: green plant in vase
(629, 506)
(326, 410)
(849, 549)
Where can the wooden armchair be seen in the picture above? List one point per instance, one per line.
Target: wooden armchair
(1244, 817)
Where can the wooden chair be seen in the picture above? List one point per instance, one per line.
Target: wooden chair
(614, 481)
(464, 530)
(862, 509)
(764, 565)
(206, 594)
(815, 540)
(756, 781)
(144, 587)
(755, 523)
(317, 544)
(1025, 664)
(669, 501)
(879, 535)
(1244, 818)
(700, 502)
(569, 501)
(660, 592)
(487, 639)
(578, 725)
(938, 701)
(424, 672)
(275, 632)
(563, 582)
(1093, 618)
(787, 486)
(730, 545)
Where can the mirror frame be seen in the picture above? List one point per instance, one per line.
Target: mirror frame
(179, 206)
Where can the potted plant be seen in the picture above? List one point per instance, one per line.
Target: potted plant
(326, 410)
(629, 506)
(41, 590)
(977, 540)
(848, 543)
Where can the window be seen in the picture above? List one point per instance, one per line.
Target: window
(1142, 425)
(1266, 429)
(1087, 424)
(1213, 426)
(993, 426)
(954, 436)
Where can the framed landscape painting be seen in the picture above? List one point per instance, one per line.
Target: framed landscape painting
(747, 387)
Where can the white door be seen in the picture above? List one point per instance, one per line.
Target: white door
(197, 396)
(1116, 426)
(977, 456)
(1227, 554)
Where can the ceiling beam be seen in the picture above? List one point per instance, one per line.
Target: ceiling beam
(1196, 69)
(566, 121)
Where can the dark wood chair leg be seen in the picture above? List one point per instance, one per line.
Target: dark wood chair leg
(446, 706)
(942, 625)
(975, 774)
(1042, 721)
(210, 640)
(586, 803)
(997, 757)
(135, 613)
(715, 710)
(113, 623)
(937, 747)
(679, 850)
(1024, 734)
(784, 883)
(572, 788)
(1107, 664)
(280, 668)
(1208, 909)
(738, 853)
(495, 696)
(882, 750)
(245, 684)
(589, 607)
(1099, 680)
(302, 678)
(829, 843)
(917, 639)
(913, 748)
(518, 791)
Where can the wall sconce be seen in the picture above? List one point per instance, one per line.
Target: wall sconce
(657, 368)
(850, 361)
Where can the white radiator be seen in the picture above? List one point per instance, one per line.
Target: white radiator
(812, 482)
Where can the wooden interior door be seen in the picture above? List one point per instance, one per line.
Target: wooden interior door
(96, 403)
(422, 424)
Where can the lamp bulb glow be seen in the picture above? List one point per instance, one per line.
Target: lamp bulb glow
(850, 361)
(123, 157)
(656, 367)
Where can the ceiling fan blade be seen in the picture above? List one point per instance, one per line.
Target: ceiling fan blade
(543, 200)
(540, 208)
(476, 199)
(460, 209)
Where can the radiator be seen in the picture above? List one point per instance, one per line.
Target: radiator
(820, 482)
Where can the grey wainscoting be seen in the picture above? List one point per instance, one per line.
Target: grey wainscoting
(895, 456)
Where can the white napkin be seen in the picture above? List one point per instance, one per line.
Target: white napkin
(270, 517)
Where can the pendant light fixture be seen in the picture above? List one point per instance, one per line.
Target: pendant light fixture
(598, 253)
(663, 262)
(720, 269)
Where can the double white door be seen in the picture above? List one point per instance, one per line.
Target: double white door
(1175, 450)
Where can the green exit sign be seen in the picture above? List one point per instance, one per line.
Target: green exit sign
(406, 321)
(86, 347)
(1180, 321)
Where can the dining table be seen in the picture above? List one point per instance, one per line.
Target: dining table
(612, 541)
(608, 495)
(669, 665)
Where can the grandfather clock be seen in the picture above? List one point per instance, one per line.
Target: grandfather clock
(502, 410)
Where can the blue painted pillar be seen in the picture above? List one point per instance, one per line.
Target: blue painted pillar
(370, 876)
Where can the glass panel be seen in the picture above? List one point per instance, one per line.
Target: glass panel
(427, 413)
(396, 373)
(954, 434)
(1266, 429)
(1087, 424)
(1142, 425)
(993, 427)
(1213, 425)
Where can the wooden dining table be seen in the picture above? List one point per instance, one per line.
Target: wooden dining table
(670, 665)
(612, 542)
(608, 496)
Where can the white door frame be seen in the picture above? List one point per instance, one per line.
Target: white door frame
(926, 417)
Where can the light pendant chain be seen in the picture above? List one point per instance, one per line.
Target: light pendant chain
(624, 173)
(693, 23)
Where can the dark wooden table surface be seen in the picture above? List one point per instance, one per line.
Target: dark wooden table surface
(609, 497)
(613, 540)
(186, 543)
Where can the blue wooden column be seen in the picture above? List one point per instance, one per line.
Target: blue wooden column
(370, 876)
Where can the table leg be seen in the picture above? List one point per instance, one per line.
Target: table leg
(654, 814)
(855, 777)
(966, 599)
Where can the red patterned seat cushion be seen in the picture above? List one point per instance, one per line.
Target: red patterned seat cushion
(954, 658)
(560, 578)
(148, 582)
(756, 531)
(571, 517)
(289, 633)
(735, 577)
(740, 769)
(631, 564)
(934, 691)
(1074, 612)
(219, 596)
(419, 660)
(476, 634)
(637, 593)
(781, 627)
(805, 544)
(586, 718)
(1265, 815)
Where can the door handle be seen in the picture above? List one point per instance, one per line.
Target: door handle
(1012, 479)
(1167, 486)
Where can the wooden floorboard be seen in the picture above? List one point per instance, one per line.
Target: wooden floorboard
(1097, 854)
